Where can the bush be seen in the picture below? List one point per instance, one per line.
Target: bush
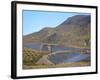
(31, 56)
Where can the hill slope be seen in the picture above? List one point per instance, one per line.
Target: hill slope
(75, 32)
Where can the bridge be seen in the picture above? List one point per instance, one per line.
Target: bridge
(68, 51)
(50, 46)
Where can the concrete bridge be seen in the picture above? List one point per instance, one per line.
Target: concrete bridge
(68, 51)
(49, 48)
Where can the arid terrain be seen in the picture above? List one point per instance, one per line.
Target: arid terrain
(66, 45)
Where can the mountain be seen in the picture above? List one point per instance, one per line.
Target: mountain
(75, 32)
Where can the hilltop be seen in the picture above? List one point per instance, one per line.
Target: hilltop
(74, 32)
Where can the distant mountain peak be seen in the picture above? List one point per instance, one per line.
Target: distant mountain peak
(77, 20)
(73, 31)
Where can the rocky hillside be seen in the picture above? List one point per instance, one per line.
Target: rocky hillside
(74, 32)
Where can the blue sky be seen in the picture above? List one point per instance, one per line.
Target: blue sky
(34, 21)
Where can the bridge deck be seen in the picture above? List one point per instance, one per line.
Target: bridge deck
(48, 44)
(68, 51)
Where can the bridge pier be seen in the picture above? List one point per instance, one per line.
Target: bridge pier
(49, 47)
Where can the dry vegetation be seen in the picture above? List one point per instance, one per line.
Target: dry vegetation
(30, 57)
(75, 64)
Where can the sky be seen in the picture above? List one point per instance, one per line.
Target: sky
(34, 21)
